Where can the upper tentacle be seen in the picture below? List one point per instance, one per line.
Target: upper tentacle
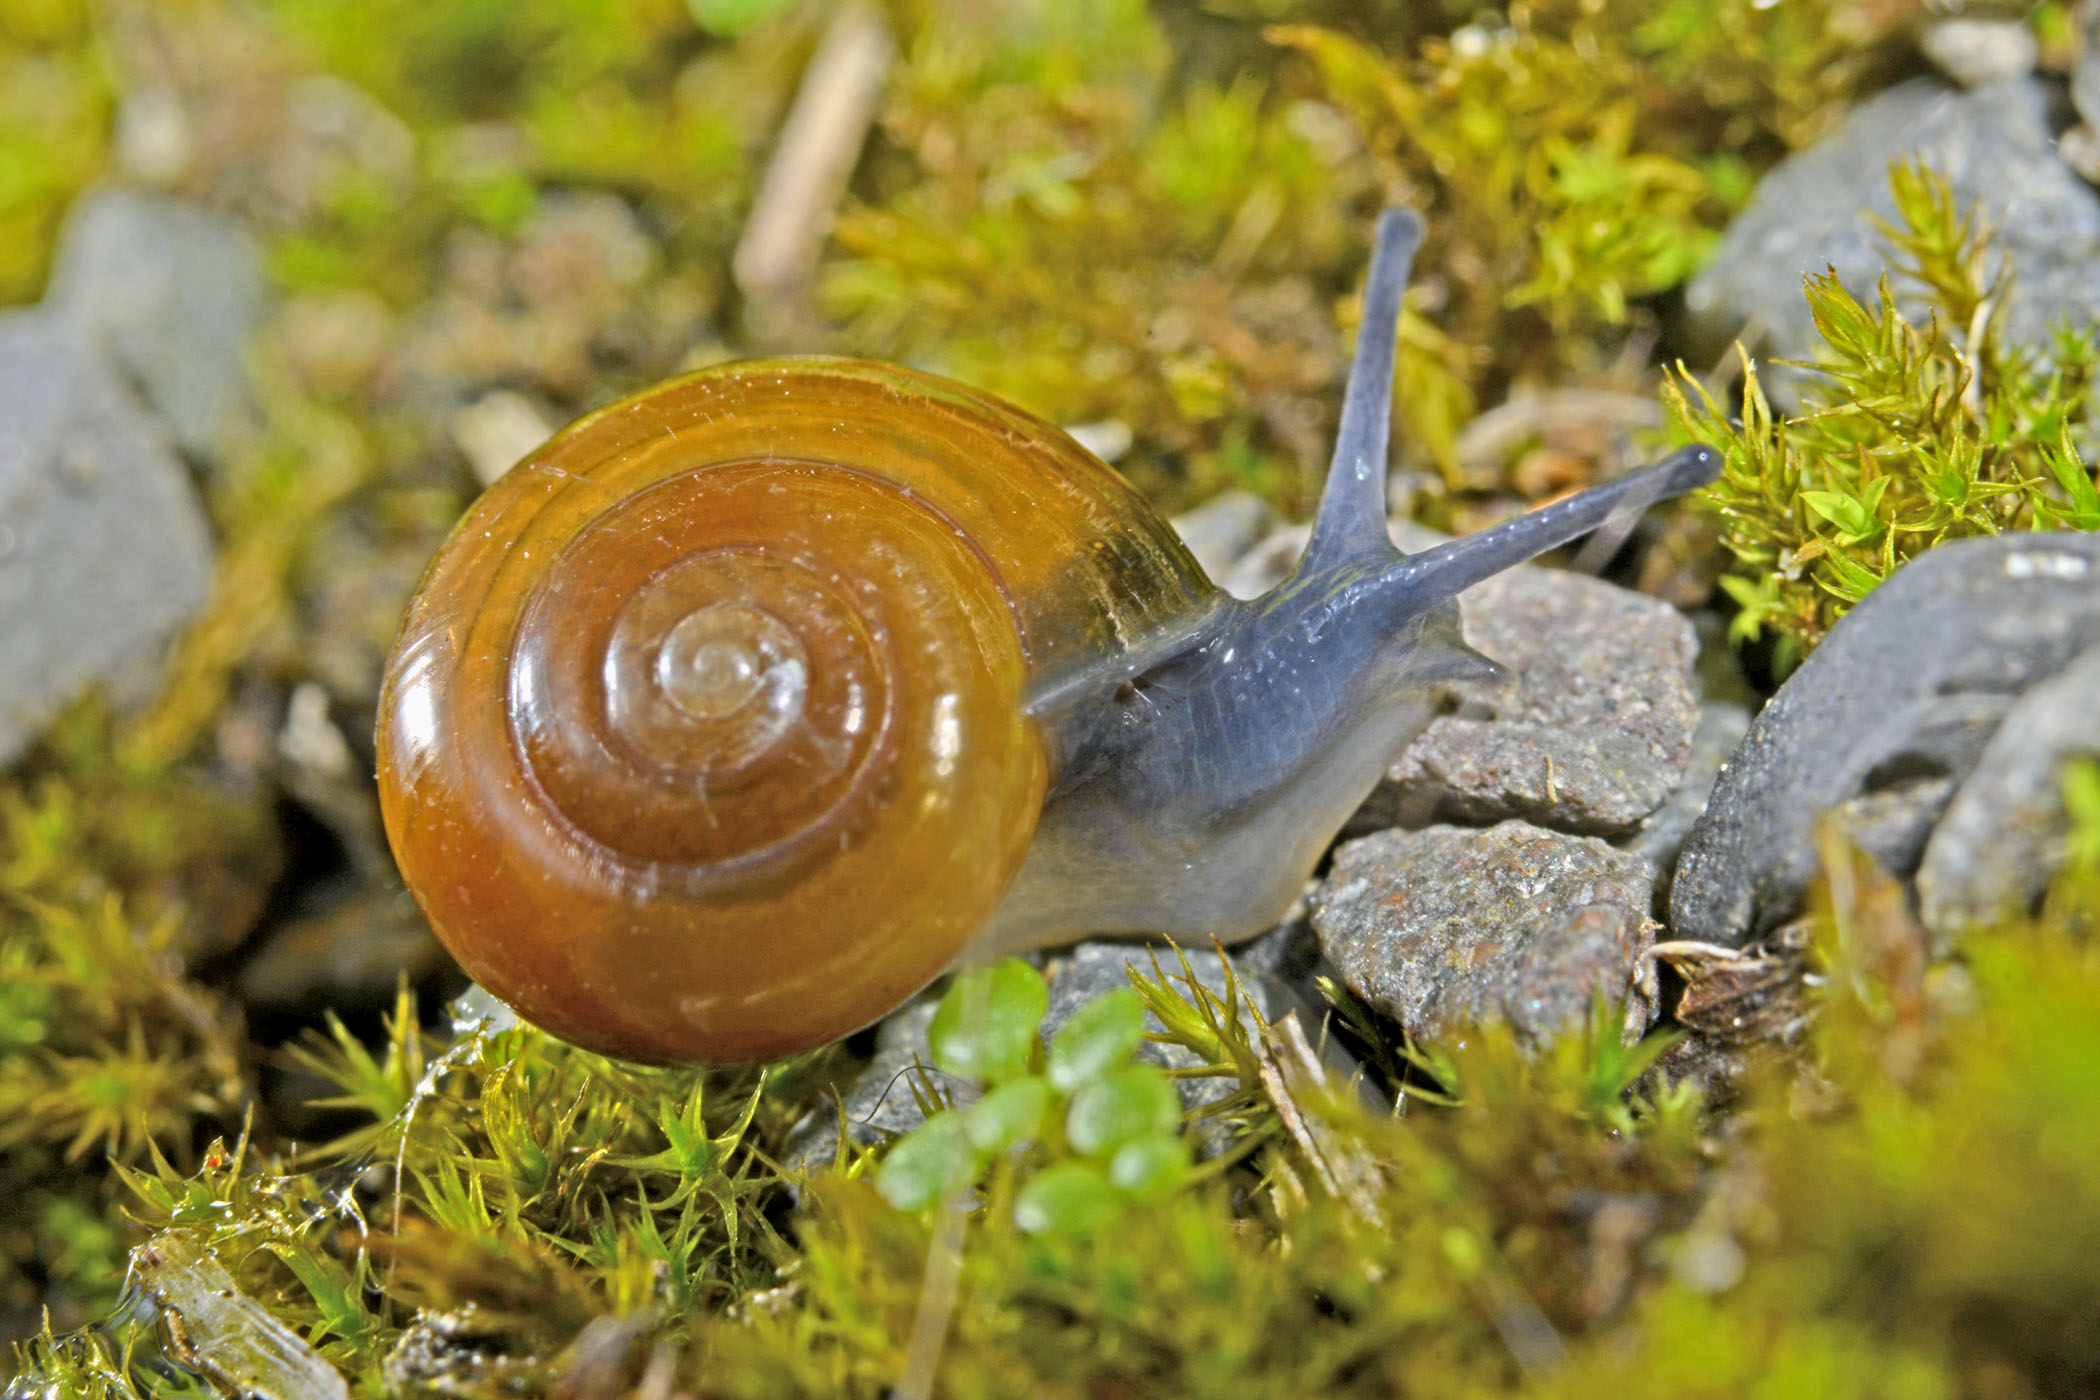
(1352, 508)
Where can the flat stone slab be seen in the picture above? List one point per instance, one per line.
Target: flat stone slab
(171, 292)
(104, 551)
(1450, 927)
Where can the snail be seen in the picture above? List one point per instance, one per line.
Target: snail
(745, 707)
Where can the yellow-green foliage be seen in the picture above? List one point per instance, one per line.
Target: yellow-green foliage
(539, 1187)
(1917, 428)
(54, 126)
(1055, 219)
(110, 878)
(509, 99)
(1910, 1214)
(1057, 214)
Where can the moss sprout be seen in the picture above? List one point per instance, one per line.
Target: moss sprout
(1914, 429)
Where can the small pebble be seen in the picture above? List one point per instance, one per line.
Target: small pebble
(171, 292)
(1874, 714)
(104, 550)
(2002, 838)
(1977, 52)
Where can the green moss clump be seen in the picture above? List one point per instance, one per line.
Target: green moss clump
(1050, 214)
(1104, 239)
(1908, 1210)
(1913, 431)
(112, 880)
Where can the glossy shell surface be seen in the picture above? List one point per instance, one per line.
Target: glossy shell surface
(705, 737)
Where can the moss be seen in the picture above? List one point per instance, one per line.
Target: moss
(114, 879)
(1907, 1211)
(1918, 426)
(55, 109)
(1103, 240)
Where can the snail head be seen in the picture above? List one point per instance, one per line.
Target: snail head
(1195, 787)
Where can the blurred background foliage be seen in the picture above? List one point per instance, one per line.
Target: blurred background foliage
(1146, 216)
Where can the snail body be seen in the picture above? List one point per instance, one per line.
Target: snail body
(748, 705)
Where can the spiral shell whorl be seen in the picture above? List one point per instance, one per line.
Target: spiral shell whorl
(701, 757)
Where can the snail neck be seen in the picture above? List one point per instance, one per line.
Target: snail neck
(1194, 798)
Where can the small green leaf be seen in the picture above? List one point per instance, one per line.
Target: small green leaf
(1852, 517)
(1132, 1102)
(1071, 1198)
(985, 1026)
(1009, 1115)
(1151, 1168)
(928, 1164)
(1101, 1035)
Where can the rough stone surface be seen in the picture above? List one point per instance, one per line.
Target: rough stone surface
(2002, 838)
(1891, 825)
(1903, 694)
(172, 292)
(1450, 927)
(1979, 52)
(1722, 724)
(2085, 78)
(1813, 211)
(1221, 530)
(104, 552)
(1597, 733)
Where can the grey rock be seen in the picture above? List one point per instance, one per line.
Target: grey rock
(2080, 149)
(1991, 856)
(1812, 212)
(1891, 825)
(1905, 692)
(172, 292)
(104, 552)
(1451, 927)
(1722, 724)
(1597, 734)
(1979, 52)
(1224, 528)
(1266, 564)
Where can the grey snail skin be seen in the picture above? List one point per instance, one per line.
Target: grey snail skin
(750, 704)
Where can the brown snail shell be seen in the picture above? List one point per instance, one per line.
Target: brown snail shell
(704, 737)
